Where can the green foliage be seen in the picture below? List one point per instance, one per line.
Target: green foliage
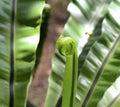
(19, 36)
(112, 96)
(67, 47)
(95, 27)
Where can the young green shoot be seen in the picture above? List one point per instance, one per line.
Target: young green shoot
(67, 47)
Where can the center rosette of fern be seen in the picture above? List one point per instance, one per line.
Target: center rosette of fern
(66, 46)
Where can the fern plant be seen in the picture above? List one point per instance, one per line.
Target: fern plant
(95, 28)
(19, 36)
(91, 79)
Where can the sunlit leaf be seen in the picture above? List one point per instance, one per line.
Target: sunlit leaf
(19, 36)
(84, 26)
(112, 96)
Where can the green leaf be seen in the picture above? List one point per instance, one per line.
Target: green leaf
(19, 36)
(85, 21)
(111, 97)
(100, 68)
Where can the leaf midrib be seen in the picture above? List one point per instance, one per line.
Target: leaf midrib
(99, 72)
(11, 97)
(94, 17)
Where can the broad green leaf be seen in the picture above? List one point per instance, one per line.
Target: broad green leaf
(19, 36)
(85, 21)
(111, 97)
(100, 68)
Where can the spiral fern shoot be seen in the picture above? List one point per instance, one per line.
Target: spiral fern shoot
(67, 47)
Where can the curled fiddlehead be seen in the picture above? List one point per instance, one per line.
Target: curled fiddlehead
(67, 47)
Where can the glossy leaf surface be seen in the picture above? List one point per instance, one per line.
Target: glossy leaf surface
(100, 68)
(19, 36)
(86, 26)
(111, 97)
